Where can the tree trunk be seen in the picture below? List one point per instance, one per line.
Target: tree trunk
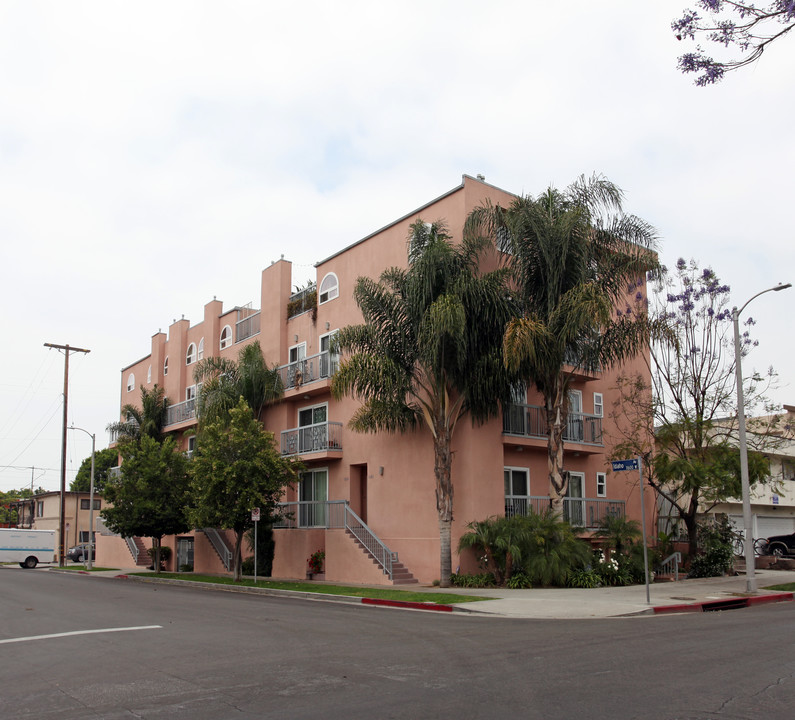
(156, 555)
(444, 502)
(237, 574)
(558, 479)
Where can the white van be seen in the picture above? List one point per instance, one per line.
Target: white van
(27, 547)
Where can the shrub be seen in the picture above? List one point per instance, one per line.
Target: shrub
(519, 581)
(715, 556)
(586, 578)
(483, 580)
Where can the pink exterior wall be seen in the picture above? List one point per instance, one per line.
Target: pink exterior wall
(387, 479)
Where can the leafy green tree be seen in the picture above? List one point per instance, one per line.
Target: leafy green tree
(428, 352)
(147, 421)
(574, 257)
(224, 382)
(236, 467)
(682, 422)
(104, 460)
(149, 498)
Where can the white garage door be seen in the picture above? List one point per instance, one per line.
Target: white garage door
(769, 526)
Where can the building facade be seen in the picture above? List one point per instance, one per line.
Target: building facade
(368, 500)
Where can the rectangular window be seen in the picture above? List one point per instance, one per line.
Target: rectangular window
(85, 504)
(598, 405)
(517, 490)
(601, 485)
(313, 428)
(328, 360)
(40, 508)
(84, 538)
(190, 392)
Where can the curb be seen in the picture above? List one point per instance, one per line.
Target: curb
(735, 603)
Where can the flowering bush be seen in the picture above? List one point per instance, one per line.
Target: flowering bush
(315, 561)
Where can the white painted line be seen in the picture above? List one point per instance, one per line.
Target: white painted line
(79, 632)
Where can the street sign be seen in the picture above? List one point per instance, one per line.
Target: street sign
(625, 464)
(255, 514)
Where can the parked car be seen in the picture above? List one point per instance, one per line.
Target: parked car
(780, 545)
(78, 553)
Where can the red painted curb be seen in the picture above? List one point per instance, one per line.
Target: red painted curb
(774, 597)
(123, 577)
(405, 604)
(727, 604)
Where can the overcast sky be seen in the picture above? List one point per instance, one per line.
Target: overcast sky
(157, 154)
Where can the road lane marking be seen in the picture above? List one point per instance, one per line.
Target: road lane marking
(80, 632)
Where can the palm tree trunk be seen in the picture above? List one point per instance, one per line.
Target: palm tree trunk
(558, 479)
(443, 461)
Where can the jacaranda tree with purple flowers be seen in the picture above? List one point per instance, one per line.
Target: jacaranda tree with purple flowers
(739, 26)
(690, 405)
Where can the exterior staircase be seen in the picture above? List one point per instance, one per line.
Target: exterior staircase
(400, 573)
(143, 559)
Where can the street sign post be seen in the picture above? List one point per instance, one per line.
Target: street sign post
(255, 514)
(637, 464)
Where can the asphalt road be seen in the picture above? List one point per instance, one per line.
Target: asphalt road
(226, 655)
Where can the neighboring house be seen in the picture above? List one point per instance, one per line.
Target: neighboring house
(378, 487)
(43, 512)
(772, 503)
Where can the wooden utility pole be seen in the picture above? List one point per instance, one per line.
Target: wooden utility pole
(67, 350)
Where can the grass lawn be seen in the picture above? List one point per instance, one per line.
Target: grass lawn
(385, 593)
(82, 568)
(786, 587)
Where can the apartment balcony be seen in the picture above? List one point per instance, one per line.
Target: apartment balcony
(247, 327)
(582, 373)
(585, 513)
(309, 375)
(322, 440)
(529, 421)
(181, 412)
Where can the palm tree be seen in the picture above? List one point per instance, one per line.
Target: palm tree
(575, 259)
(428, 352)
(146, 421)
(224, 381)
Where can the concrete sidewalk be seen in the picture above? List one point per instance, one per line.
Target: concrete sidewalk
(572, 603)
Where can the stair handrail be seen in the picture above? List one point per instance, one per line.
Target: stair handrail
(219, 546)
(672, 562)
(370, 541)
(133, 546)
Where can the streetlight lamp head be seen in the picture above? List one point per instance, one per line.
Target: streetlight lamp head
(782, 287)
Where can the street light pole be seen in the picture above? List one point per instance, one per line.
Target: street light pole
(750, 561)
(93, 437)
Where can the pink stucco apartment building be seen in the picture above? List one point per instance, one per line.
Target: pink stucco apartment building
(368, 500)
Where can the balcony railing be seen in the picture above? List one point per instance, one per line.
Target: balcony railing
(308, 370)
(319, 437)
(181, 412)
(247, 327)
(531, 421)
(580, 512)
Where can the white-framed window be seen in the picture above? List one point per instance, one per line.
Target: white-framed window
(313, 495)
(329, 361)
(296, 366)
(190, 392)
(201, 350)
(598, 404)
(226, 337)
(575, 428)
(601, 484)
(149, 374)
(191, 445)
(517, 491)
(574, 502)
(329, 288)
(130, 382)
(40, 508)
(190, 356)
(504, 242)
(165, 366)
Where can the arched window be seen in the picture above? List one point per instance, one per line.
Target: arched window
(329, 288)
(226, 337)
(201, 349)
(190, 357)
(149, 374)
(165, 367)
(131, 383)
